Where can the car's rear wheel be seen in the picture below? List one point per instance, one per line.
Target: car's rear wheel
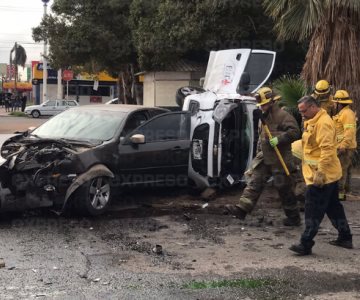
(35, 114)
(93, 197)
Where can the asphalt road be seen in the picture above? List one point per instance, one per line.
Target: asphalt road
(9, 124)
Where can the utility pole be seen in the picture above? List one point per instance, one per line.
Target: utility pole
(45, 71)
(15, 70)
(59, 94)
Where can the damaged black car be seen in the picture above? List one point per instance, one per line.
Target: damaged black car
(80, 157)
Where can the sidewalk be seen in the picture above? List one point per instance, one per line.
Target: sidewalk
(3, 113)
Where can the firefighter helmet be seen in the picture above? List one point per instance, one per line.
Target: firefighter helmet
(265, 95)
(322, 87)
(342, 96)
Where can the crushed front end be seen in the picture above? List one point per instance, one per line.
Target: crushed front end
(35, 172)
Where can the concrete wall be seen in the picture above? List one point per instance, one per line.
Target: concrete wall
(160, 87)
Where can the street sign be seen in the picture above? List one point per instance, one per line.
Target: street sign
(68, 75)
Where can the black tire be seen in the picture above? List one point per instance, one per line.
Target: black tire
(93, 197)
(193, 189)
(181, 93)
(35, 114)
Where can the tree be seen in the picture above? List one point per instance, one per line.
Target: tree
(92, 35)
(333, 29)
(120, 36)
(18, 59)
(166, 30)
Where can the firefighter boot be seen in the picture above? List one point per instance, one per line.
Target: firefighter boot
(236, 211)
(342, 243)
(303, 248)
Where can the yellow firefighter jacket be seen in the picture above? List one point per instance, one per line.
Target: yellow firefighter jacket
(319, 149)
(345, 125)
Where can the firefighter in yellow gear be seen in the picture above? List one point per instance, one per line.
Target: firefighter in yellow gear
(345, 124)
(285, 130)
(322, 94)
(321, 170)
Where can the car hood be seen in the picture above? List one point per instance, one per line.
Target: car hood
(49, 148)
(32, 107)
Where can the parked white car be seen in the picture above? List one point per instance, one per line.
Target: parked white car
(50, 108)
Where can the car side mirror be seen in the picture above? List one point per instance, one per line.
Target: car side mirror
(244, 84)
(137, 139)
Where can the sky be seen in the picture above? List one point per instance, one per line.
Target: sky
(17, 18)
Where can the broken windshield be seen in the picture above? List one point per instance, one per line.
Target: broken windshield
(79, 124)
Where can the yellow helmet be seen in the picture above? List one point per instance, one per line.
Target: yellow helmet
(342, 96)
(265, 95)
(322, 87)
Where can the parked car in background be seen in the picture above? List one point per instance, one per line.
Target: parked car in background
(50, 108)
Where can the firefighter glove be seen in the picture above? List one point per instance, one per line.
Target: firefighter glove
(274, 141)
(319, 179)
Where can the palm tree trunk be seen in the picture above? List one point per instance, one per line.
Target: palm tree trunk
(333, 53)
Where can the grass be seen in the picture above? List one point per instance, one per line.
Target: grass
(234, 283)
(18, 114)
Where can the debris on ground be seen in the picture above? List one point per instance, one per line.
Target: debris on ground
(2, 263)
(187, 216)
(157, 249)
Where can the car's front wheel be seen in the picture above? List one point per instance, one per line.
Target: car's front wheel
(35, 114)
(93, 197)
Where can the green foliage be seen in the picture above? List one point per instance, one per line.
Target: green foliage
(291, 89)
(166, 30)
(332, 28)
(17, 114)
(108, 34)
(93, 34)
(235, 283)
(296, 19)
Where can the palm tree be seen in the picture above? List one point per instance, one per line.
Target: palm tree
(18, 59)
(332, 29)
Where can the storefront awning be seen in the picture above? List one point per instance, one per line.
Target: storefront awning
(20, 86)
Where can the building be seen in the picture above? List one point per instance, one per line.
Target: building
(84, 88)
(159, 87)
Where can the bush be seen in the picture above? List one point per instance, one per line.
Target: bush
(291, 89)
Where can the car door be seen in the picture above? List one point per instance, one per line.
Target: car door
(61, 105)
(49, 108)
(163, 157)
